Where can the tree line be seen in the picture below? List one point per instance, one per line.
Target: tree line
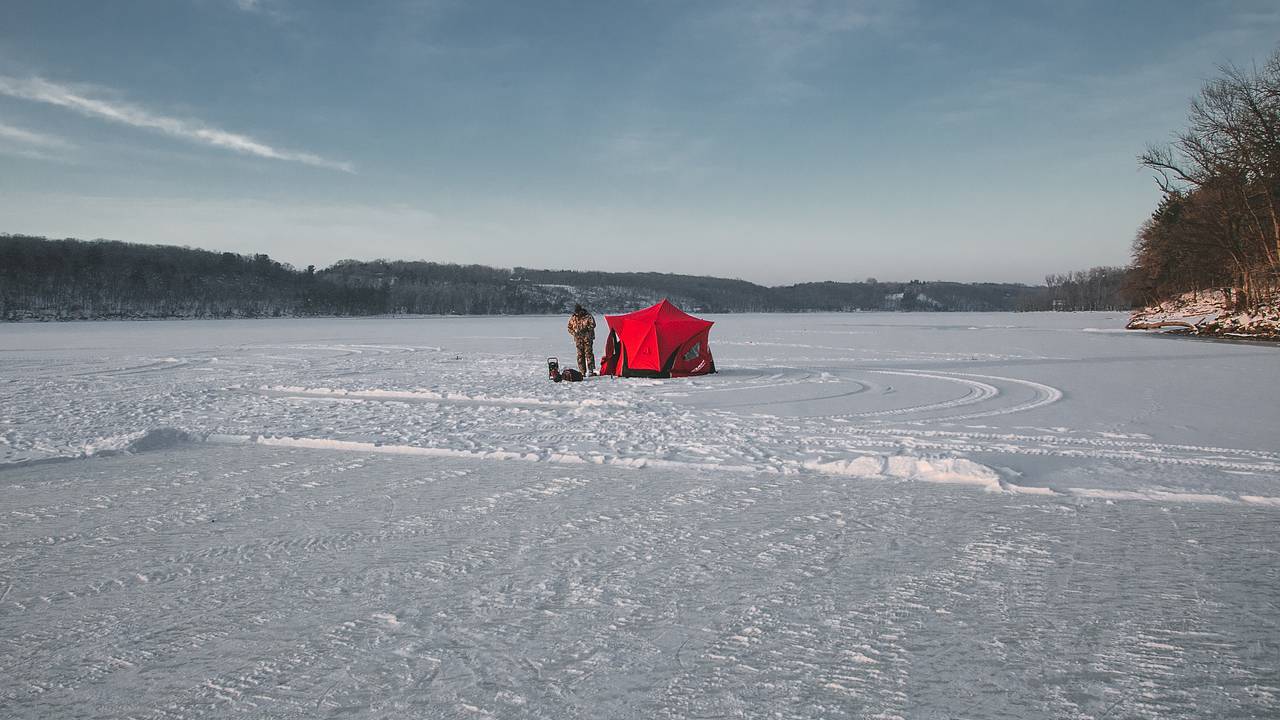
(72, 279)
(1218, 223)
(1099, 288)
(1217, 226)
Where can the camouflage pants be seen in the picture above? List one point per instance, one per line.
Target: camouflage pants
(586, 353)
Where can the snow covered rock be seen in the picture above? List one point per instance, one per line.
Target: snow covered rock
(1210, 313)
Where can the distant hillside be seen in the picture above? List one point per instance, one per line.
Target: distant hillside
(71, 279)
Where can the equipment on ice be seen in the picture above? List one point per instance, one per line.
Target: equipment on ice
(558, 375)
(661, 341)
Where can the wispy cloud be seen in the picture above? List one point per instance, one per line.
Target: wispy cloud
(41, 90)
(1149, 93)
(29, 137)
(785, 30)
(672, 155)
(19, 142)
(271, 9)
(782, 39)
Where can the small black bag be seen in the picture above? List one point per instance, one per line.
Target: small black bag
(570, 375)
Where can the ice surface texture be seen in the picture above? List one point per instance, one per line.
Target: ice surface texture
(861, 515)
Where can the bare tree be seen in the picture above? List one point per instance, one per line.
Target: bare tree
(1225, 168)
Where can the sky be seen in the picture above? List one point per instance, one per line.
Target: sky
(776, 142)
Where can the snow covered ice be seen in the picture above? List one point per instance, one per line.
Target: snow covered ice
(861, 515)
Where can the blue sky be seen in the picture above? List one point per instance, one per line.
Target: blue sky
(778, 142)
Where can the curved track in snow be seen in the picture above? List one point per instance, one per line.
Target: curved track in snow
(859, 517)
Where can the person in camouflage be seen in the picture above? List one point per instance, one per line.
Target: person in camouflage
(582, 326)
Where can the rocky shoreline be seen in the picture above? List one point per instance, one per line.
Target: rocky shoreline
(1210, 314)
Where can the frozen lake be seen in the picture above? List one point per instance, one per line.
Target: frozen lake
(861, 515)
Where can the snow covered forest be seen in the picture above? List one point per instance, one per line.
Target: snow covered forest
(69, 279)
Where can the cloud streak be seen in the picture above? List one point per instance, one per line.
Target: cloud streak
(41, 90)
(19, 142)
(671, 155)
(28, 137)
(782, 40)
(270, 9)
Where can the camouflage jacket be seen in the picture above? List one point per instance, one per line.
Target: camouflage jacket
(582, 326)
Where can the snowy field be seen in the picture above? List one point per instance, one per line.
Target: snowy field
(861, 515)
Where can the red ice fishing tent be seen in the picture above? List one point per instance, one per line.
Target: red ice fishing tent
(662, 341)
